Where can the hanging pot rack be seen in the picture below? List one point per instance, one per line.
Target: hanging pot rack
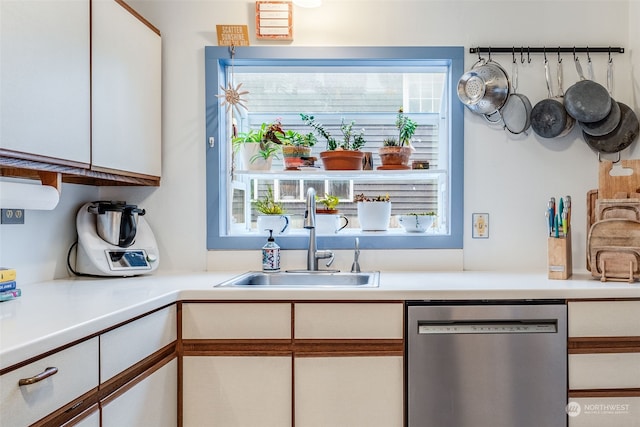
(528, 50)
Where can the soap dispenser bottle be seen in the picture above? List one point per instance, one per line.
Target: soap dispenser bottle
(271, 254)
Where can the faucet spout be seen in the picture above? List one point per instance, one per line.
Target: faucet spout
(313, 254)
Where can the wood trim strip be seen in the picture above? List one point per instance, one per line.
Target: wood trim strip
(70, 410)
(137, 15)
(129, 378)
(622, 392)
(349, 347)
(71, 173)
(299, 347)
(138, 371)
(595, 345)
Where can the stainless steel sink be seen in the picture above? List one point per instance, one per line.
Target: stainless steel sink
(305, 279)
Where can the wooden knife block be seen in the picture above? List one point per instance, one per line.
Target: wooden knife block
(559, 252)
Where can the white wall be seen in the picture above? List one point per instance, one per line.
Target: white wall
(511, 178)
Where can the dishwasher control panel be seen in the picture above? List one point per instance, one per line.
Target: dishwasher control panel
(486, 327)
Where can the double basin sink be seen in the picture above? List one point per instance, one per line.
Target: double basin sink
(305, 279)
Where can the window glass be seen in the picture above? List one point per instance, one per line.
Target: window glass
(336, 87)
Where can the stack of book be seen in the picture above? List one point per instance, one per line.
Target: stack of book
(8, 288)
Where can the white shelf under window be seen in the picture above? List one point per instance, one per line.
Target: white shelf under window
(357, 175)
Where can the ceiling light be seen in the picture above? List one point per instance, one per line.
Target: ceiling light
(308, 3)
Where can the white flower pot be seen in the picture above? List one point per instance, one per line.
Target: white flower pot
(374, 216)
(249, 150)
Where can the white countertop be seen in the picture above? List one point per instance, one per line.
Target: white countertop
(51, 314)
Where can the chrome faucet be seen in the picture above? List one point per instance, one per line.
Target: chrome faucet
(313, 254)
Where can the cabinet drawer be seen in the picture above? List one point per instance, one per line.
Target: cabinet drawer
(604, 411)
(604, 371)
(604, 318)
(77, 374)
(349, 320)
(349, 391)
(130, 343)
(236, 321)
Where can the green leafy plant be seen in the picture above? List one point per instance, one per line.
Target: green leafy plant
(350, 139)
(390, 142)
(328, 201)
(268, 205)
(297, 139)
(422, 213)
(268, 136)
(406, 128)
(362, 198)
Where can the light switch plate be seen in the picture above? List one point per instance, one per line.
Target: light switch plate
(480, 226)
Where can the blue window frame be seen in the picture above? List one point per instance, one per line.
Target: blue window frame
(222, 193)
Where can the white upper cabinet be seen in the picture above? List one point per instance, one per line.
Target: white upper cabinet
(44, 79)
(126, 91)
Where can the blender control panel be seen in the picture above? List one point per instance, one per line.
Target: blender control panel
(135, 259)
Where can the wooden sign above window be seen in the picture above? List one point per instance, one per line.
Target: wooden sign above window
(274, 20)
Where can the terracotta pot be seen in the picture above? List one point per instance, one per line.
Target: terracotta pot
(394, 157)
(342, 160)
(293, 156)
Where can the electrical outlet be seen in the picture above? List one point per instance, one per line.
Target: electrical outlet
(480, 226)
(12, 216)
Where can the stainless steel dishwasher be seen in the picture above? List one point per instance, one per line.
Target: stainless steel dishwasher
(486, 363)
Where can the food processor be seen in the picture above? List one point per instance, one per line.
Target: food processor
(114, 239)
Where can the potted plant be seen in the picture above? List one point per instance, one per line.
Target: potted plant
(271, 214)
(395, 152)
(339, 155)
(374, 213)
(259, 146)
(327, 204)
(296, 149)
(416, 222)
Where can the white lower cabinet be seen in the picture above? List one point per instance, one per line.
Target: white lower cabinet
(76, 373)
(150, 402)
(237, 391)
(349, 391)
(604, 363)
(604, 412)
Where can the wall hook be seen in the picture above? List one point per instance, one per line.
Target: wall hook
(559, 57)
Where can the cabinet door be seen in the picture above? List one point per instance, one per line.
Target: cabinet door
(349, 391)
(77, 374)
(126, 91)
(151, 402)
(130, 343)
(45, 100)
(237, 391)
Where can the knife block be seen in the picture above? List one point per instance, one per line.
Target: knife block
(559, 254)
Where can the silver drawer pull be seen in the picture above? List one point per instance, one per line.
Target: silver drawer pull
(37, 378)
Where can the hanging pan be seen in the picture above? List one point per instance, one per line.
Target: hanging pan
(549, 118)
(621, 137)
(586, 100)
(609, 123)
(516, 112)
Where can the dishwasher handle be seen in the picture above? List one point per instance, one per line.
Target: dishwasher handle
(487, 327)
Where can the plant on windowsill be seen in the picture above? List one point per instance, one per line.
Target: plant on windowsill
(271, 214)
(374, 213)
(296, 149)
(328, 204)
(259, 146)
(395, 152)
(339, 155)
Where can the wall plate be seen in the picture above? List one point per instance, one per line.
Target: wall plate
(480, 226)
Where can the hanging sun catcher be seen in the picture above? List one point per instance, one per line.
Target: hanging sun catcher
(232, 96)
